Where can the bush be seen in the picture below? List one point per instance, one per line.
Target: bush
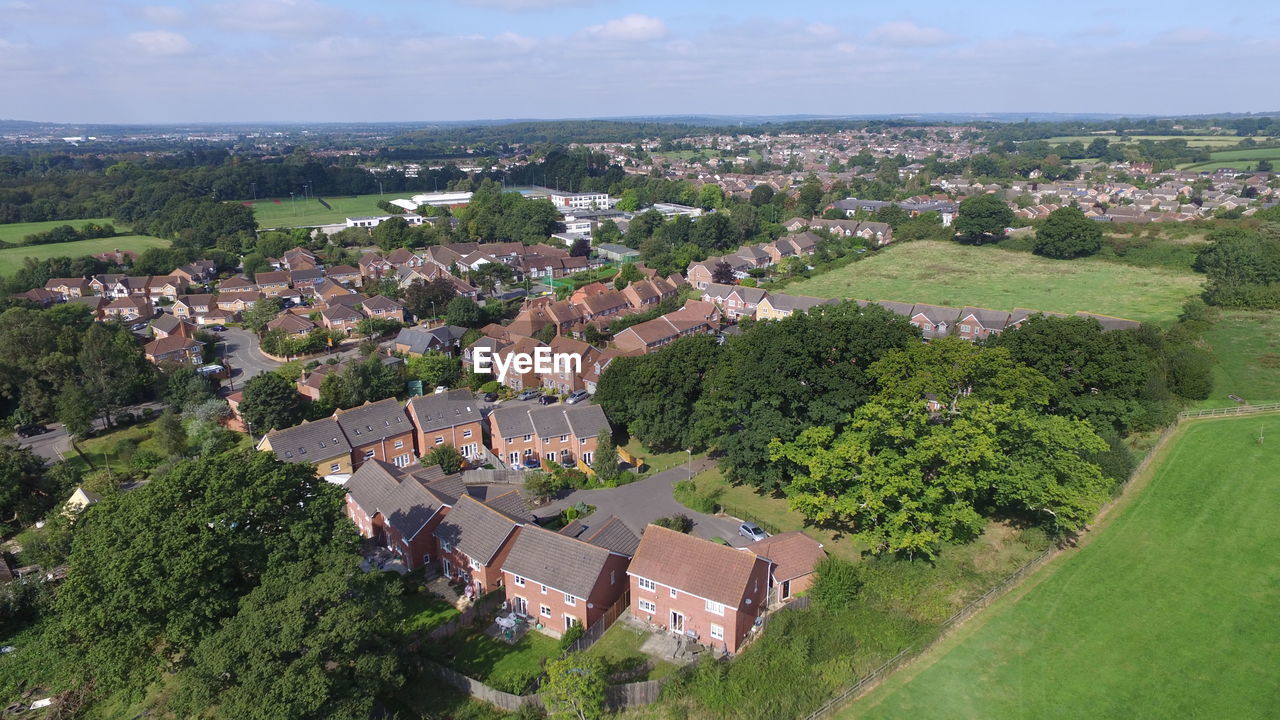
(514, 681)
(679, 522)
(145, 461)
(571, 636)
(147, 413)
(491, 386)
(686, 493)
(837, 584)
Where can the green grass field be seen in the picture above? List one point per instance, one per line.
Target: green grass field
(297, 213)
(1235, 159)
(16, 233)
(11, 258)
(1246, 346)
(1168, 613)
(946, 273)
(1192, 140)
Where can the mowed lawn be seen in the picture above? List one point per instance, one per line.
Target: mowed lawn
(947, 273)
(1170, 612)
(16, 233)
(285, 212)
(11, 258)
(1246, 348)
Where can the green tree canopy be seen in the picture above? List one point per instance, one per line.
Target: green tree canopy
(270, 402)
(982, 218)
(1068, 233)
(446, 456)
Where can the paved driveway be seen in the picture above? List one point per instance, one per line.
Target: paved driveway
(644, 501)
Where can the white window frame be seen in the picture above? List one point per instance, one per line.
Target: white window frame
(517, 580)
(544, 589)
(714, 607)
(674, 594)
(716, 632)
(647, 584)
(466, 433)
(570, 600)
(647, 606)
(544, 611)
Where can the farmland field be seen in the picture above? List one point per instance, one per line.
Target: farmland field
(1246, 347)
(277, 212)
(11, 258)
(1192, 140)
(1245, 159)
(1168, 612)
(17, 232)
(946, 273)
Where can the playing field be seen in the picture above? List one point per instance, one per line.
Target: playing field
(1170, 612)
(286, 212)
(17, 232)
(1246, 348)
(946, 273)
(11, 258)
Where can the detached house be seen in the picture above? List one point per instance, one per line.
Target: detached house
(68, 287)
(190, 306)
(378, 431)
(400, 511)
(129, 309)
(383, 307)
(708, 592)
(421, 340)
(340, 317)
(451, 418)
(562, 581)
(475, 539)
(174, 349)
(793, 558)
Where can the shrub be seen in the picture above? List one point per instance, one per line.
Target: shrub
(570, 636)
(686, 493)
(679, 522)
(491, 386)
(837, 584)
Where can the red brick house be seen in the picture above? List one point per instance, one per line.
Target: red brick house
(383, 307)
(451, 418)
(793, 558)
(68, 287)
(475, 539)
(695, 317)
(708, 592)
(519, 432)
(400, 511)
(342, 318)
(291, 324)
(934, 321)
(980, 323)
(174, 349)
(378, 431)
(563, 581)
(129, 309)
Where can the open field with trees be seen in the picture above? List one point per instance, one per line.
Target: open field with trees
(1192, 140)
(945, 273)
(1244, 159)
(11, 258)
(286, 212)
(1158, 616)
(17, 233)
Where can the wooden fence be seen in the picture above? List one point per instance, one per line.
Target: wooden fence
(606, 621)
(1238, 410)
(492, 477)
(486, 604)
(616, 697)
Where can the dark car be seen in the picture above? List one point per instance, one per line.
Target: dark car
(491, 397)
(548, 399)
(528, 394)
(27, 431)
(216, 328)
(577, 397)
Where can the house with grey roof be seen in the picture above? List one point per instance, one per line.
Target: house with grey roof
(400, 510)
(447, 418)
(421, 340)
(378, 431)
(527, 434)
(561, 581)
(474, 540)
(319, 442)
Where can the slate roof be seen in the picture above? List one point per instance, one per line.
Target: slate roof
(309, 442)
(797, 303)
(549, 558)
(699, 567)
(373, 421)
(582, 420)
(989, 319)
(443, 410)
(405, 503)
(610, 534)
(476, 529)
(419, 340)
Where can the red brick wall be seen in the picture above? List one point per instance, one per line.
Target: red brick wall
(385, 450)
(452, 436)
(735, 622)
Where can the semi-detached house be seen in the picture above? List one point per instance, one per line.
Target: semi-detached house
(378, 431)
(447, 418)
(475, 538)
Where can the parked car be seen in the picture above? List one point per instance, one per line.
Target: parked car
(138, 326)
(217, 328)
(577, 397)
(528, 394)
(491, 397)
(27, 431)
(752, 532)
(547, 399)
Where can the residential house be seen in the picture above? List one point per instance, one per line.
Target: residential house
(373, 265)
(378, 431)
(526, 433)
(344, 274)
(400, 511)
(340, 317)
(567, 377)
(382, 307)
(129, 309)
(705, 591)
(174, 349)
(236, 301)
(198, 272)
(273, 279)
(309, 382)
(68, 288)
(166, 325)
(475, 539)
(96, 304)
(981, 323)
(303, 279)
(934, 321)
(447, 418)
(291, 324)
(776, 306)
(796, 245)
(649, 292)
(793, 558)
(420, 340)
(190, 306)
(42, 297)
(104, 284)
(735, 301)
(695, 317)
(236, 284)
(562, 581)
(319, 442)
(166, 287)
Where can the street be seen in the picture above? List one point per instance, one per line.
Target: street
(238, 349)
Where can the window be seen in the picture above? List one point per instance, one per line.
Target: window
(368, 454)
(717, 632)
(964, 328)
(402, 460)
(439, 440)
(715, 608)
(335, 467)
(569, 621)
(586, 458)
(527, 438)
(445, 547)
(570, 600)
(564, 438)
(466, 433)
(582, 441)
(646, 584)
(544, 589)
(648, 606)
(519, 581)
(544, 611)
(475, 565)
(613, 576)
(399, 444)
(673, 592)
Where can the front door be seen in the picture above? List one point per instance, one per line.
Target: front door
(677, 622)
(448, 568)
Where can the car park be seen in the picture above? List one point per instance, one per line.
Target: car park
(752, 532)
(577, 397)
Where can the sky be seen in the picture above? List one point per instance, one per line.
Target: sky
(113, 61)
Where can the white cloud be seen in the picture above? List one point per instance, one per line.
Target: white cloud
(525, 5)
(275, 16)
(160, 42)
(162, 14)
(633, 28)
(907, 33)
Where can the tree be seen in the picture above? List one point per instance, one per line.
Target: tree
(114, 370)
(982, 218)
(722, 273)
(185, 387)
(761, 195)
(653, 395)
(710, 196)
(581, 247)
(169, 435)
(629, 201)
(75, 412)
(367, 380)
(428, 299)
(25, 490)
(463, 311)
(810, 197)
(311, 641)
(1068, 233)
(575, 687)
(271, 403)
(627, 274)
(605, 462)
(262, 312)
(447, 457)
(434, 369)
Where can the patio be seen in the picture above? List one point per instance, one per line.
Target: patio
(507, 627)
(665, 646)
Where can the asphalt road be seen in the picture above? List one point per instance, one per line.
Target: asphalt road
(238, 349)
(644, 501)
(56, 444)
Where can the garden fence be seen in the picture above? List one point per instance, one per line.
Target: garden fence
(492, 477)
(606, 621)
(486, 604)
(1238, 410)
(617, 697)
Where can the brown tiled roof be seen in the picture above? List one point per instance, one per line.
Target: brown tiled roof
(793, 554)
(169, 344)
(699, 567)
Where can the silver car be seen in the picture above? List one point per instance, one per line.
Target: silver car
(752, 532)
